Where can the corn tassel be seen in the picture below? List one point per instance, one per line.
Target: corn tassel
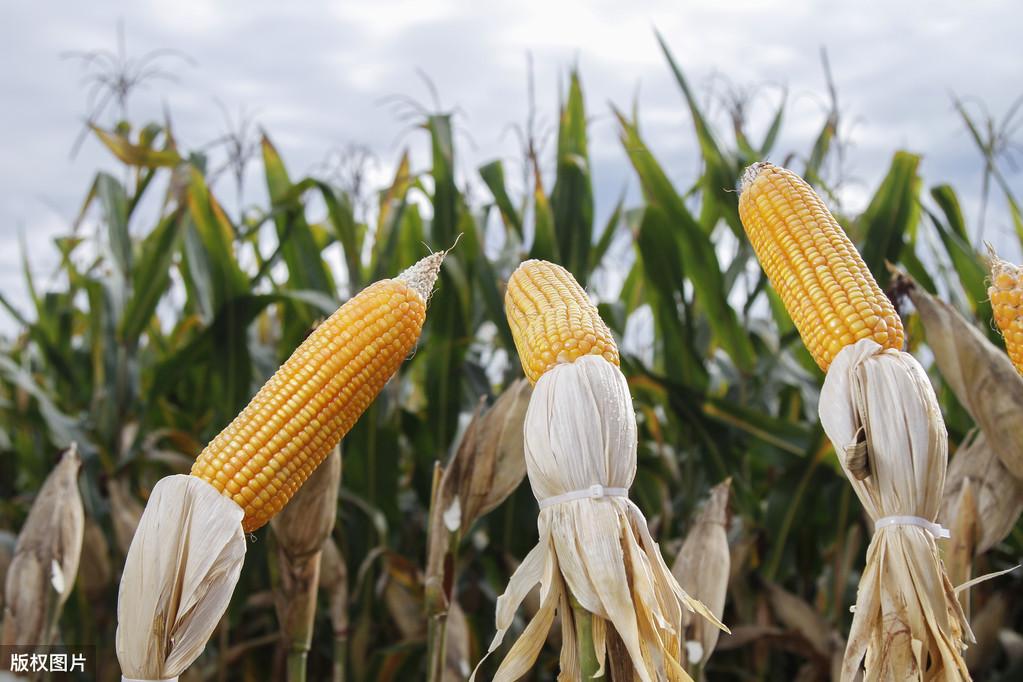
(821, 278)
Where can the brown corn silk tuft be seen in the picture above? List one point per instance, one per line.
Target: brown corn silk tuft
(302, 412)
(810, 261)
(552, 319)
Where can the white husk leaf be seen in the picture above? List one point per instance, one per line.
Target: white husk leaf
(181, 569)
(908, 624)
(580, 431)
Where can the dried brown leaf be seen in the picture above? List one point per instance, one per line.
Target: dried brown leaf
(46, 556)
(307, 521)
(980, 374)
(998, 495)
(702, 567)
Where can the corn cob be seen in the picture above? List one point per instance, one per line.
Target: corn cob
(821, 278)
(552, 319)
(311, 402)
(1006, 294)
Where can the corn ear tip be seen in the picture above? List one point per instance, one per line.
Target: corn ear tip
(751, 173)
(422, 276)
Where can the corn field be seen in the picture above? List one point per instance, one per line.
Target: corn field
(169, 310)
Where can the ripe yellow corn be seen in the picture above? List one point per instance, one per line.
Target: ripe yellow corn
(1006, 294)
(821, 278)
(552, 319)
(262, 458)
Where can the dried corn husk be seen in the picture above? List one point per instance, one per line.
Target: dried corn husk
(334, 582)
(301, 529)
(125, 512)
(42, 572)
(980, 374)
(486, 468)
(181, 569)
(580, 431)
(998, 495)
(94, 570)
(908, 624)
(457, 668)
(7, 542)
(305, 524)
(702, 568)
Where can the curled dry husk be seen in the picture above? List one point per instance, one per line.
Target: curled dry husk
(301, 529)
(45, 563)
(580, 431)
(181, 569)
(996, 494)
(980, 374)
(908, 624)
(702, 568)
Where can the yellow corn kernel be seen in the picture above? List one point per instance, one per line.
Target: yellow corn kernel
(262, 458)
(552, 319)
(1006, 294)
(818, 273)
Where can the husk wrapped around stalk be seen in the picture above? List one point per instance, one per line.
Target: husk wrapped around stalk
(301, 530)
(880, 413)
(595, 553)
(702, 569)
(334, 582)
(484, 470)
(45, 563)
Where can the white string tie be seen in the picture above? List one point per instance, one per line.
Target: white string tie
(594, 492)
(935, 529)
(132, 679)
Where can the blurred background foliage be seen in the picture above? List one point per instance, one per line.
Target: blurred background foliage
(160, 324)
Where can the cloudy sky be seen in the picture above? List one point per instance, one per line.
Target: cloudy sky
(313, 74)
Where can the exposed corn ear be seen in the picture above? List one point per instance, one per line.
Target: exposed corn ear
(304, 410)
(821, 277)
(187, 553)
(46, 556)
(595, 551)
(552, 319)
(1006, 294)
